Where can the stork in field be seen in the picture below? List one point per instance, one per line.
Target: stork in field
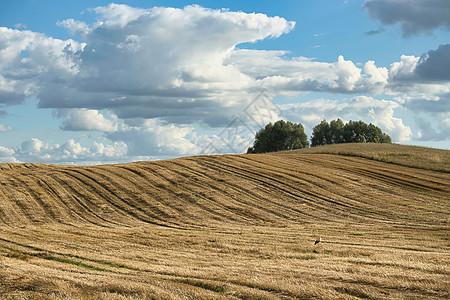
(318, 241)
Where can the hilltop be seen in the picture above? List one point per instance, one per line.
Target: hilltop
(231, 226)
(410, 156)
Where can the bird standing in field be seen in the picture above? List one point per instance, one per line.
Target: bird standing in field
(318, 241)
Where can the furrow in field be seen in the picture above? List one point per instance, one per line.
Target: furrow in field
(323, 203)
(182, 206)
(194, 205)
(327, 185)
(419, 180)
(51, 206)
(135, 194)
(63, 198)
(122, 212)
(211, 190)
(284, 195)
(364, 192)
(27, 208)
(238, 189)
(229, 197)
(85, 202)
(262, 196)
(396, 194)
(9, 210)
(145, 181)
(256, 196)
(196, 186)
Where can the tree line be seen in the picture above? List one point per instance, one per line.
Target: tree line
(285, 135)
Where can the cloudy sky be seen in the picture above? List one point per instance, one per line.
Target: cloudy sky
(90, 81)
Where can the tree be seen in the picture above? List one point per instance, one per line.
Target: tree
(352, 132)
(279, 136)
(336, 131)
(321, 134)
(324, 133)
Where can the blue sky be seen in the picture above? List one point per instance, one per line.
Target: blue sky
(100, 82)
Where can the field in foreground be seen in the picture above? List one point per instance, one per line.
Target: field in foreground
(236, 226)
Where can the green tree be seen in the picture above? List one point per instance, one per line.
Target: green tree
(352, 132)
(336, 131)
(321, 134)
(279, 136)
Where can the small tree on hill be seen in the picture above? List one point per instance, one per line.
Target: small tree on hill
(352, 132)
(279, 136)
(321, 134)
(336, 131)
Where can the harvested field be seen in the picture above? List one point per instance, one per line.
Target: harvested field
(232, 226)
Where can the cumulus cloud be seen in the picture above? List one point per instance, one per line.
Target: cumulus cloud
(28, 60)
(7, 155)
(348, 74)
(85, 119)
(377, 78)
(75, 27)
(368, 109)
(404, 69)
(429, 72)
(274, 72)
(414, 16)
(138, 62)
(152, 137)
(70, 152)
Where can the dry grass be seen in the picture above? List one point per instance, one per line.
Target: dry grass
(410, 156)
(226, 227)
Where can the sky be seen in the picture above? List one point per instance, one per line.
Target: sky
(96, 82)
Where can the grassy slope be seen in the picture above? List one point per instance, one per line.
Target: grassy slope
(239, 226)
(412, 156)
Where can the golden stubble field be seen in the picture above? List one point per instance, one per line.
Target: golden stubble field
(224, 227)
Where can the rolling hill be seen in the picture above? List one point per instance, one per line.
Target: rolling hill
(231, 226)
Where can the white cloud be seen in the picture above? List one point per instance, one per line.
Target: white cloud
(7, 155)
(149, 63)
(35, 146)
(151, 137)
(75, 27)
(377, 77)
(404, 69)
(4, 128)
(70, 152)
(348, 74)
(20, 26)
(160, 63)
(118, 15)
(29, 61)
(116, 149)
(260, 64)
(274, 72)
(85, 119)
(381, 113)
(367, 109)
